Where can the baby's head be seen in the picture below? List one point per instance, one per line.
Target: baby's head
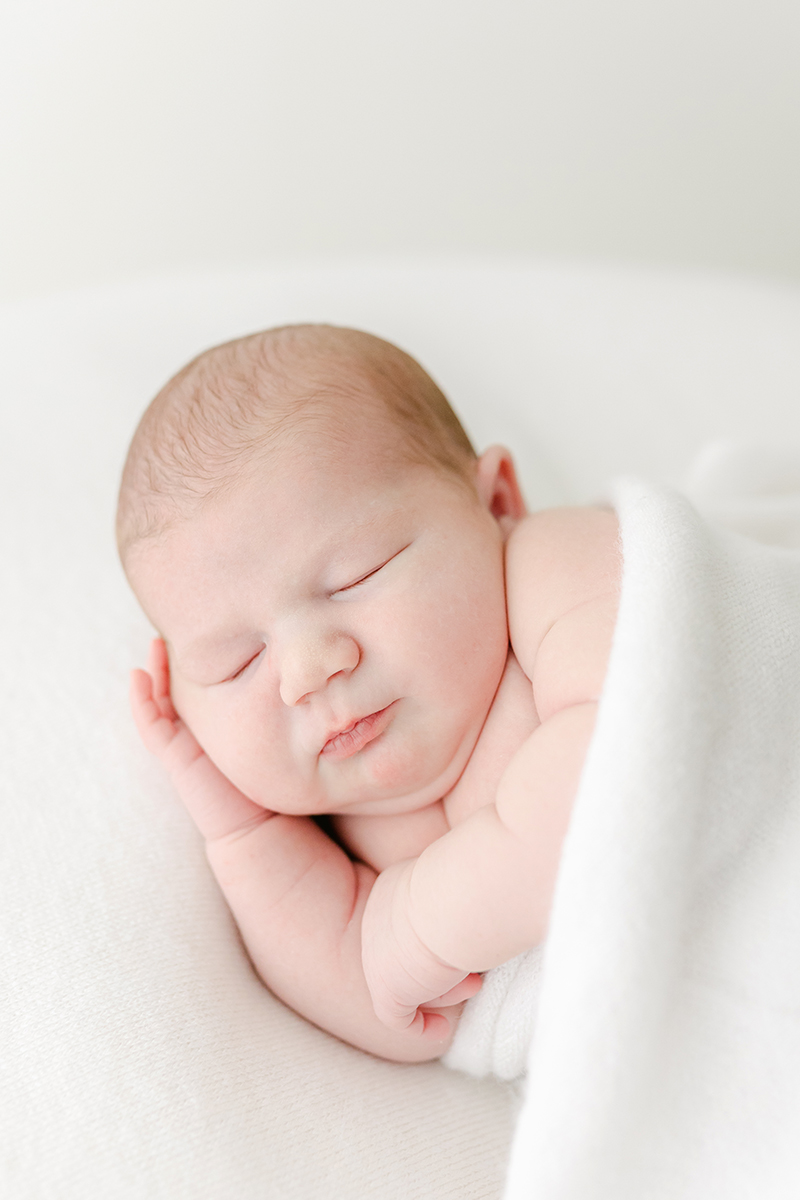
(306, 524)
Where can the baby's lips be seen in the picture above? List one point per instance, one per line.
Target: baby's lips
(355, 737)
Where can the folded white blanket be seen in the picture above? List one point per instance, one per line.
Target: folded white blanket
(666, 1055)
(496, 1028)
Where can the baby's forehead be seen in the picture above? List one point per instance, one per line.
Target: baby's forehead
(292, 397)
(331, 443)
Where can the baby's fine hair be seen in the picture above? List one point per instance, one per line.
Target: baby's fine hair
(235, 402)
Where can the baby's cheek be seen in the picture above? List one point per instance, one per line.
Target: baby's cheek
(413, 754)
(399, 763)
(238, 758)
(389, 769)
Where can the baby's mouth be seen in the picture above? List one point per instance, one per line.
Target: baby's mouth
(358, 735)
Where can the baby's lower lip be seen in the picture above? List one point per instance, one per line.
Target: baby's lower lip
(349, 742)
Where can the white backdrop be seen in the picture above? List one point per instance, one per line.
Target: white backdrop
(142, 135)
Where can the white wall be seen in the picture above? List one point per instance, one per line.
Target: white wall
(140, 135)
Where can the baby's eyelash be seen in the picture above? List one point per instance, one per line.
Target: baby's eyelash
(374, 571)
(363, 578)
(243, 667)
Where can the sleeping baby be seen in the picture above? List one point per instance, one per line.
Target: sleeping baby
(375, 677)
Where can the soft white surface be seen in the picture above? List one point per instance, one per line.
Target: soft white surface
(141, 1059)
(666, 1058)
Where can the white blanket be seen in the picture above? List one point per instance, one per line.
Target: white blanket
(666, 1056)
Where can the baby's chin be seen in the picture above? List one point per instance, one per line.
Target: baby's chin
(381, 781)
(383, 807)
(371, 802)
(395, 788)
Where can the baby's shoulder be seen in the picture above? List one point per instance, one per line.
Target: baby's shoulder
(558, 561)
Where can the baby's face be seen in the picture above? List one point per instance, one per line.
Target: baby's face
(336, 629)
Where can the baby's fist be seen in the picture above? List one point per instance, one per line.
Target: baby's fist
(401, 972)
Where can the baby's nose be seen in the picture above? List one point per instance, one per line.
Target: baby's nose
(309, 662)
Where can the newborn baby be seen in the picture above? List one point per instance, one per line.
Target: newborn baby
(375, 678)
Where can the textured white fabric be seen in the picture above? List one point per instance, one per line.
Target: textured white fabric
(140, 1057)
(666, 1058)
(496, 1028)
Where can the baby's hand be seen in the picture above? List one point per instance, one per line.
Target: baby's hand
(401, 973)
(296, 897)
(217, 807)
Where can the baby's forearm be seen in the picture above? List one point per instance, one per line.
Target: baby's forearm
(298, 902)
(482, 893)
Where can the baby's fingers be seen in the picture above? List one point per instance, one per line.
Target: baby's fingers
(166, 737)
(465, 990)
(158, 667)
(419, 1022)
(156, 730)
(217, 807)
(435, 1027)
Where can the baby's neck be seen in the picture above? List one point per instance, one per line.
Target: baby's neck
(511, 719)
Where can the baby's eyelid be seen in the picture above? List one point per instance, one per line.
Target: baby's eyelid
(243, 667)
(362, 579)
(374, 571)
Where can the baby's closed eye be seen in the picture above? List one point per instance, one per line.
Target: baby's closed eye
(369, 574)
(240, 670)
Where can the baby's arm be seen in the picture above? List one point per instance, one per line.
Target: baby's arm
(482, 893)
(296, 897)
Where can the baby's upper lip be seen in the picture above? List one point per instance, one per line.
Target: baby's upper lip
(346, 725)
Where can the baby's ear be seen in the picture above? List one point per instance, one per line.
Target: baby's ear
(498, 487)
